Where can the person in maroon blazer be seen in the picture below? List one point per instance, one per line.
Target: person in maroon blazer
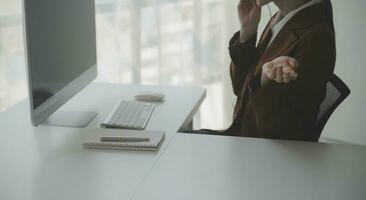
(281, 82)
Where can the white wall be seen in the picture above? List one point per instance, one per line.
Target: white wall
(348, 123)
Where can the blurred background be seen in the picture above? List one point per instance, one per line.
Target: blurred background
(184, 42)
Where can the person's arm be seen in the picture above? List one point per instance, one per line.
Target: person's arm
(242, 45)
(242, 57)
(284, 108)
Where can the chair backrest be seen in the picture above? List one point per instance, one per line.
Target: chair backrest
(337, 92)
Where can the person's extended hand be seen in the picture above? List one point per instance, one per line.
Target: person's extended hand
(281, 70)
(249, 15)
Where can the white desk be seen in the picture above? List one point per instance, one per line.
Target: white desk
(199, 167)
(49, 163)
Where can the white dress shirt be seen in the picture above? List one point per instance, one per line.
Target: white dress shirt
(280, 22)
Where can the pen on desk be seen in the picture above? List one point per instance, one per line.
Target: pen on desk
(123, 139)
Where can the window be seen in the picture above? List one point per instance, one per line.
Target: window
(168, 42)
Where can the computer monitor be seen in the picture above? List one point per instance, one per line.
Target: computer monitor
(60, 43)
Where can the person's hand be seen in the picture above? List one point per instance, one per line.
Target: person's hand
(281, 70)
(249, 15)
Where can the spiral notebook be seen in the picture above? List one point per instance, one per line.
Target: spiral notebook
(95, 142)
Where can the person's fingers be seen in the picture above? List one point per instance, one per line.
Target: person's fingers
(284, 64)
(281, 59)
(286, 59)
(277, 65)
(268, 65)
(279, 73)
(272, 74)
(292, 62)
(282, 69)
(267, 70)
(286, 74)
(269, 74)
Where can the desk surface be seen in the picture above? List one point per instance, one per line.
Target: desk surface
(200, 167)
(46, 162)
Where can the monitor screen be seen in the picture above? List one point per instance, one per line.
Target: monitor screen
(61, 44)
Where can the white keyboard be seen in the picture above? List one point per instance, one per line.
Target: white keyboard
(129, 115)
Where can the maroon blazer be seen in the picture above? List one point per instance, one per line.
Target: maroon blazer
(283, 111)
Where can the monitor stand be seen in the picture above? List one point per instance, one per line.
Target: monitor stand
(75, 119)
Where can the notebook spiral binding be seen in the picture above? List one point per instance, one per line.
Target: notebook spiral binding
(111, 145)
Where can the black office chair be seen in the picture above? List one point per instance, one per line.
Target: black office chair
(337, 92)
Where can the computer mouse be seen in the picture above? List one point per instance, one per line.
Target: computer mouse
(149, 96)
